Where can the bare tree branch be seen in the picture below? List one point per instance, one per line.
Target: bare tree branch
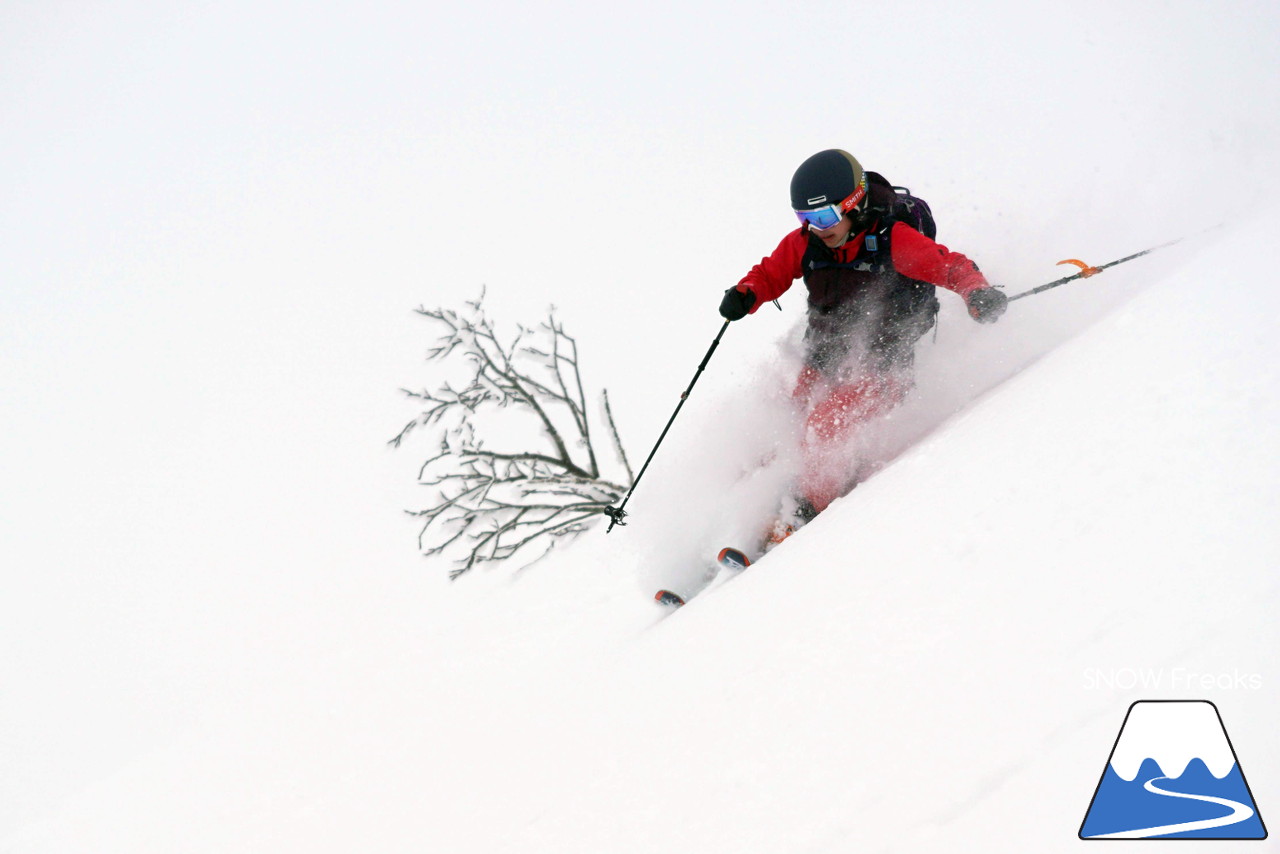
(487, 506)
(617, 440)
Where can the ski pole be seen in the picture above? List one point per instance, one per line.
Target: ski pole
(1086, 270)
(617, 514)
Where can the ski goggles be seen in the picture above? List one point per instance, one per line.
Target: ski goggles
(827, 216)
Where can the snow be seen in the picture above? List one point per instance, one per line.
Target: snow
(218, 634)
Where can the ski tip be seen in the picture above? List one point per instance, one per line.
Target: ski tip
(733, 558)
(666, 597)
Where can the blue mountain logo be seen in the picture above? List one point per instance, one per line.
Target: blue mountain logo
(1173, 774)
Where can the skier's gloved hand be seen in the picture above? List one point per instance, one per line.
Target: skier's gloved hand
(737, 303)
(987, 304)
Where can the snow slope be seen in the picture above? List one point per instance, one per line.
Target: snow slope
(911, 671)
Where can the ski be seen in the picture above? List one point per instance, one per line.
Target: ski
(733, 559)
(666, 597)
(728, 558)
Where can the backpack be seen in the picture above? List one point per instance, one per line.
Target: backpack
(904, 207)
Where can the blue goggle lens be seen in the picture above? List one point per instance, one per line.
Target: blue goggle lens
(821, 218)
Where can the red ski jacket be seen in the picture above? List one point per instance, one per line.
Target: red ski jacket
(913, 254)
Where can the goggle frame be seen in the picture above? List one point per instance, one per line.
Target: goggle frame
(827, 216)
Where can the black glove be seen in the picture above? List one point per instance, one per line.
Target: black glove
(736, 303)
(987, 304)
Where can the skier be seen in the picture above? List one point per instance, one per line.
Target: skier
(870, 272)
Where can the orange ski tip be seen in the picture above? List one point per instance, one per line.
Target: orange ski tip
(1085, 269)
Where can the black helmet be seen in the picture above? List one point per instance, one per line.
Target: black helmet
(827, 178)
